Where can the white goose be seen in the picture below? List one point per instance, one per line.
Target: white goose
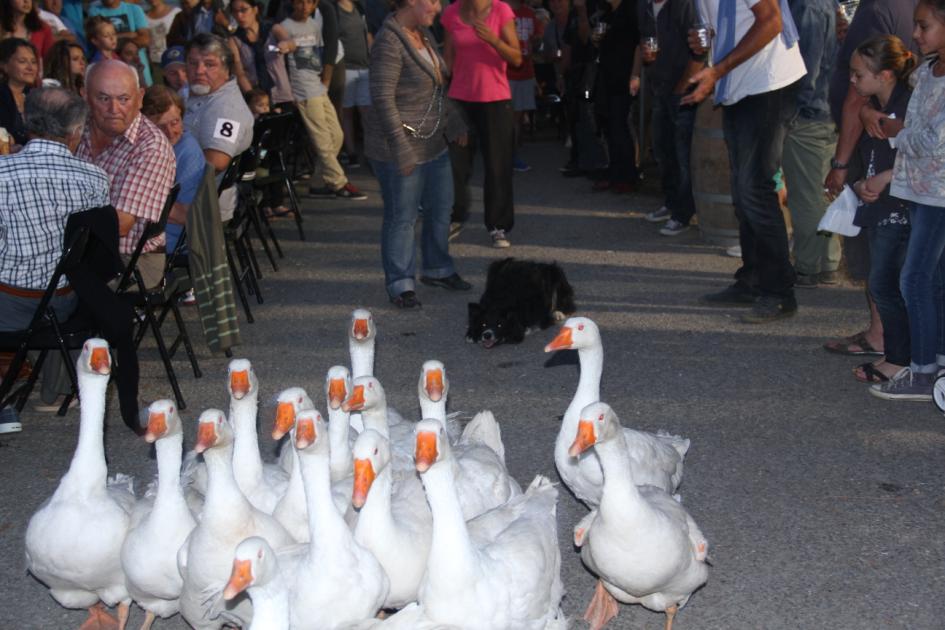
(641, 542)
(361, 343)
(262, 484)
(87, 507)
(368, 398)
(291, 511)
(657, 459)
(433, 389)
(500, 570)
(162, 522)
(335, 580)
(394, 523)
(256, 571)
(337, 388)
(227, 519)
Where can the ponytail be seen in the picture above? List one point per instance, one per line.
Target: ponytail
(887, 52)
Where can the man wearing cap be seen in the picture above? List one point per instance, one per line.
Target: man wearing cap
(217, 114)
(174, 69)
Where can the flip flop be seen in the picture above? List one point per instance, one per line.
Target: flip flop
(870, 373)
(846, 345)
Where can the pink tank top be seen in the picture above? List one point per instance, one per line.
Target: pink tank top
(479, 72)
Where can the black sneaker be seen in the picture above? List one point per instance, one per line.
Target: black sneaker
(348, 191)
(735, 295)
(406, 300)
(807, 281)
(769, 308)
(453, 282)
(906, 385)
(321, 191)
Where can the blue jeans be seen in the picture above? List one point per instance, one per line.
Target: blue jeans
(888, 244)
(672, 143)
(754, 130)
(430, 187)
(921, 283)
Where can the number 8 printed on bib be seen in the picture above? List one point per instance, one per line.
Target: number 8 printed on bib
(226, 129)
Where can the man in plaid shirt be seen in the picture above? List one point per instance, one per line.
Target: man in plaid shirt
(134, 153)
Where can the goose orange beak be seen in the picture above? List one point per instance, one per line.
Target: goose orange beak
(157, 426)
(356, 401)
(583, 440)
(425, 454)
(285, 418)
(561, 342)
(360, 329)
(304, 433)
(240, 578)
(100, 361)
(336, 392)
(363, 478)
(206, 437)
(239, 384)
(434, 385)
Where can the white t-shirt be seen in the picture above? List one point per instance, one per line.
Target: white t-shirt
(774, 66)
(53, 20)
(159, 29)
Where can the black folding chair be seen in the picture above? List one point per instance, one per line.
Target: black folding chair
(277, 146)
(249, 161)
(45, 332)
(238, 246)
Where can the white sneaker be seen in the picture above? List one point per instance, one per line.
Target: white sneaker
(500, 240)
(9, 421)
(735, 251)
(673, 228)
(658, 216)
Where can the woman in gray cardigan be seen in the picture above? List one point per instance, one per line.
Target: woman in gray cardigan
(407, 131)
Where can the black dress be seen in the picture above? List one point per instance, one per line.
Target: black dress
(10, 117)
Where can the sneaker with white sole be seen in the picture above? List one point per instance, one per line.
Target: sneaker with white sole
(9, 421)
(500, 240)
(455, 229)
(658, 216)
(673, 228)
(349, 191)
(906, 385)
(735, 251)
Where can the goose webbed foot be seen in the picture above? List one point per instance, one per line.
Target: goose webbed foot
(99, 619)
(602, 609)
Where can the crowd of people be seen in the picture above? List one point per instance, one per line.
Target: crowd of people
(808, 96)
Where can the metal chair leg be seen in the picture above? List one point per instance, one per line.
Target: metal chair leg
(238, 284)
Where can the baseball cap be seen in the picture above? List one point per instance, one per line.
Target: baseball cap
(174, 54)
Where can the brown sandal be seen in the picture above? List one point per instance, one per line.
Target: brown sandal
(870, 374)
(846, 345)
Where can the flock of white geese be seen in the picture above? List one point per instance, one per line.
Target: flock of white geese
(366, 513)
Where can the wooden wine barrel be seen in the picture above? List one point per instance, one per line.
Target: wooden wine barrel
(711, 178)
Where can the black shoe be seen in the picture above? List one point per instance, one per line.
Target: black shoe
(769, 308)
(348, 191)
(735, 295)
(323, 191)
(453, 282)
(807, 281)
(407, 299)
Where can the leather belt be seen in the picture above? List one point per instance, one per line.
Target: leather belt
(31, 293)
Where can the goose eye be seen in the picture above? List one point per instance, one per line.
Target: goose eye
(259, 554)
(600, 418)
(580, 326)
(375, 451)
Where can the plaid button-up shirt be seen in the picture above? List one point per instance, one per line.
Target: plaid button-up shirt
(39, 188)
(140, 165)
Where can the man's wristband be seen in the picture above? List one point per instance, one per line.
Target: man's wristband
(834, 164)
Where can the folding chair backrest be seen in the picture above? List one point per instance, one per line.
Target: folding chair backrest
(278, 126)
(231, 175)
(151, 230)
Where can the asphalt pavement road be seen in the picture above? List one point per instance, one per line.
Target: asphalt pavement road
(823, 506)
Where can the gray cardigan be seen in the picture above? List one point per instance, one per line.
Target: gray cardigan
(402, 86)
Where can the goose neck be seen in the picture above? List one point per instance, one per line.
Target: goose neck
(340, 451)
(88, 467)
(619, 492)
(452, 556)
(376, 418)
(362, 357)
(324, 521)
(245, 440)
(270, 605)
(223, 495)
(375, 518)
(435, 410)
(169, 451)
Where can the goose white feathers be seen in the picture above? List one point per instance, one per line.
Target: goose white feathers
(337, 388)
(361, 343)
(657, 459)
(433, 390)
(161, 523)
(256, 571)
(291, 511)
(262, 484)
(641, 542)
(86, 506)
(394, 523)
(227, 519)
(334, 580)
(500, 570)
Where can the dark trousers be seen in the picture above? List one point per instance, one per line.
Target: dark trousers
(672, 143)
(754, 130)
(621, 145)
(492, 129)
(888, 245)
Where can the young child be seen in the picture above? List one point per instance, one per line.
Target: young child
(880, 69)
(102, 35)
(300, 38)
(128, 52)
(258, 102)
(271, 203)
(919, 176)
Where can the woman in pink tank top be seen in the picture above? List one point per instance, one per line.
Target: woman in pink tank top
(480, 43)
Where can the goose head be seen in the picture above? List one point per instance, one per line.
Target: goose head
(362, 328)
(243, 380)
(213, 431)
(311, 434)
(337, 386)
(432, 444)
(371, 454)
(288, 404)
(254, 563)
(95, 358)
(598, 423)
(433, 385)
(576, 333)
(163, 421)
(366, 393)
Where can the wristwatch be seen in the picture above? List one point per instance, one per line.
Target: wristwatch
(840, 166)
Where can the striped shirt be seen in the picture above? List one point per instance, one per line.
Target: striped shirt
(39, 188)
(140, 165)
